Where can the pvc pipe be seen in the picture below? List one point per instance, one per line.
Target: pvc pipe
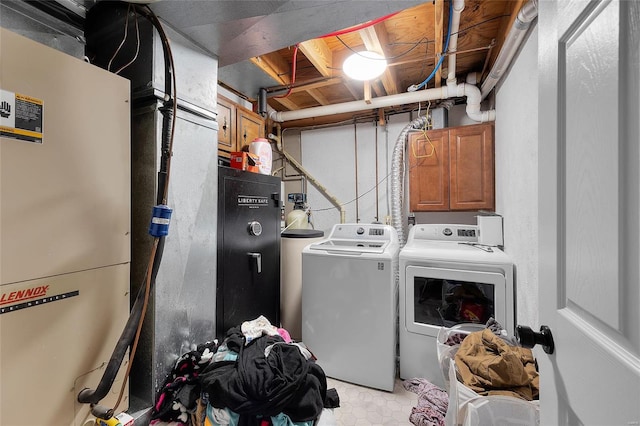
(445, 92)
(526, 15)
(458, 7)
(473, 104)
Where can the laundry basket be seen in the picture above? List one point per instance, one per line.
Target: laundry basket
(467, 408)
(446, 351)
(501, 411)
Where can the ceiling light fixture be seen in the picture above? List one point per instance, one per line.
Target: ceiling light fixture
(365, 65)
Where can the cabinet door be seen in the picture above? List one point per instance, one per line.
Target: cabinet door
(472, 167)
(227, 125)
(250, 126)
(429, 170)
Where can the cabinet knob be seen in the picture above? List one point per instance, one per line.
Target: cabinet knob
(224, 126)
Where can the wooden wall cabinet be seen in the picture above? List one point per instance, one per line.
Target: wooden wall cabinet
(237, 127)
(452, 169)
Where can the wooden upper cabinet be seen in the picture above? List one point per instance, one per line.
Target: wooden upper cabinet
(237, 126)
(250, 126)
(472, 168)
(226, 125)
(428, 154)
(452, 169)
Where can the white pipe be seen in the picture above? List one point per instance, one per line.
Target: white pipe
(526, 15)
(473, 104)
(471, 92)
(458, 7)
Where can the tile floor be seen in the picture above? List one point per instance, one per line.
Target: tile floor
(371, 407)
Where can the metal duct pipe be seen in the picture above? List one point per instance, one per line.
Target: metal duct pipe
(397, 177)
(471, 92)
(527, 14)
(458, 7)
(262, 102)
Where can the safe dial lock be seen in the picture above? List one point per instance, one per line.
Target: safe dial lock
(255, 228)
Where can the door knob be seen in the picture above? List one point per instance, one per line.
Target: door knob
(529, 338)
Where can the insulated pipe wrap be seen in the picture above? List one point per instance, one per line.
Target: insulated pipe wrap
(526, 15)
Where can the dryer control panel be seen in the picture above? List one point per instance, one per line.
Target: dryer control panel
(445, 232)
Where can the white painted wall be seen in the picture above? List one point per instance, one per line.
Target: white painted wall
(331, 157)
(517, 174)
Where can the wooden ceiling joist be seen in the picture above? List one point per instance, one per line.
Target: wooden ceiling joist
(319, 54)
(438, 35)
(274, 65)
(287, 103)
(316, 84)
(375, 38)
(319, 97)
(308, 85)
(354, 93)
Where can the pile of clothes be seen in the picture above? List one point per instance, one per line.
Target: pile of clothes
(432, 403)
(256, 376)
(489, 365)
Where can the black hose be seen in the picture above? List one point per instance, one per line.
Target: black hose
(89, 396)
(165, 152)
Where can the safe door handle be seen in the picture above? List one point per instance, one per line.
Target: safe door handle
(258, 259)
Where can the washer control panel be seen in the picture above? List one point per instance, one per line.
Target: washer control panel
(363, 232)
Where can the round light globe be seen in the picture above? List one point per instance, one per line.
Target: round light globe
(365, 65)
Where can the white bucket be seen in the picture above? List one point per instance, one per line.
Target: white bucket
(262, 148)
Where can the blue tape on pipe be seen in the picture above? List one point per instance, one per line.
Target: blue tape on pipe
(160, 219)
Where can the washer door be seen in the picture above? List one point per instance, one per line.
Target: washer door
(439, 297)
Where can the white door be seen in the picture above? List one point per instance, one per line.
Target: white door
(589, 64)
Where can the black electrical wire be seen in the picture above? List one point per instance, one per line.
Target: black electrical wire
(415, 44)
(479, 23)
(360, 195)
(425, 39)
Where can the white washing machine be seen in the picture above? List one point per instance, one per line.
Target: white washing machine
(448, 278)
(349, 303)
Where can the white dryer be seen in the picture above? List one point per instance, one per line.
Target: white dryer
(349, 303)
(448, 278)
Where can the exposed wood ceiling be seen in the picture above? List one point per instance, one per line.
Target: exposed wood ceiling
(255, 41)
(412, 40)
